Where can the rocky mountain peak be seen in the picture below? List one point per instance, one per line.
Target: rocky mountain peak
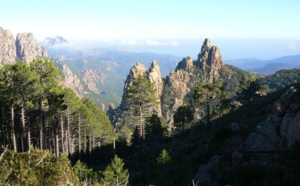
(28, 48)
(7, 47)
(137, 70)
(206, 45)
(48, 42)
(210, 58)
(186, 64)
(155, 78)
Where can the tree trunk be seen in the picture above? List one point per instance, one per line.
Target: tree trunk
(90, 144)
(93, 141)
(85, 142)
(79, 139)
(23, 128)
(207, 105)
(42, 123)
(28, 136)
(142, 132)
(56, 144)
(66, 144)
(62, 133)
(69, 139)
(2, 142)
(13, 127)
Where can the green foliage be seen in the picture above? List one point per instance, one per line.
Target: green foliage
(154, 129)
(37, 167)
(125, 134)
(248, 87)
(140, 94)
(182, 116)
(231, 77)
(163, 158)
(281, 79)
(83, 172)
(140, 98)
(207, 93)
(115, 174)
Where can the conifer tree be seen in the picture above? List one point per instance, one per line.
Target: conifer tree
(115, 174)
(205, 93)
(140, 97)
(48, 78)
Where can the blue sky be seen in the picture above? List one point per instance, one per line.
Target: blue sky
(163, 25)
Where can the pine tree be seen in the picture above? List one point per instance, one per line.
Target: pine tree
(115, 174)
(25, 83)
(205, 93)
(140, 97)
(48, 78)
(163, 157)
(183, 115)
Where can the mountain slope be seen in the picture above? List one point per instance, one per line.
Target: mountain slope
(103, 71)
(267, 66)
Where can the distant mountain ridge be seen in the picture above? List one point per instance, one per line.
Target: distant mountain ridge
(102, 72)
(266, 66)
(48, 42)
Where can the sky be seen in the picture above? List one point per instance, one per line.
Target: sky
(241, 28)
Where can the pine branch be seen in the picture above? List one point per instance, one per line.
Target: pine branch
(42, 159)
(3, 153)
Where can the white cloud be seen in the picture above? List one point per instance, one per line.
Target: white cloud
(129, 42)
(158, 43)
(294, 47)
(174, 43)
(152, 42)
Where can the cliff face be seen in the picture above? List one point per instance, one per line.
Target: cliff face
(210, 58)
(154, 77)
(7, 47)
(137, 70)
(72, 81)
(177, 87)
(282, 127)
(29, 49)
(180, 83)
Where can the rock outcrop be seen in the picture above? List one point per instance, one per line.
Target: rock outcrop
(137, 70)
(48, 42)
(154, 77)
(92, 79)
(210, 58)
(177, 87)
(29, 49)
(7, 47)
(282, 127)
(70, 80)
(180, 83)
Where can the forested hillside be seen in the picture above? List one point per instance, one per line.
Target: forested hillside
(205, 123)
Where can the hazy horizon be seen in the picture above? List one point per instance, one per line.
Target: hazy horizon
(241, 29)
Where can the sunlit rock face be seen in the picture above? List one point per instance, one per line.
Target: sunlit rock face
(155, 78)
(29, 49)
(180, 83)
(210, 58)
(7, 47)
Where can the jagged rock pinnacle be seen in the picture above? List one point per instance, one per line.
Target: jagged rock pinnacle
(7, 47)
(29, 49)
(154, 77)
